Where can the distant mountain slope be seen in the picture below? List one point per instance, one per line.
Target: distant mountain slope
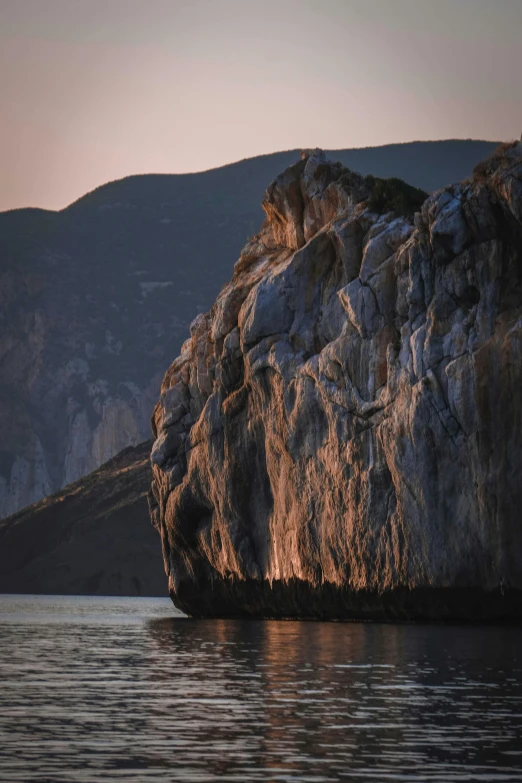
(94, 537)
(97, 298)
(426, 164)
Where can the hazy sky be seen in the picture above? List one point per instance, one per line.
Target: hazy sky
(93, 90)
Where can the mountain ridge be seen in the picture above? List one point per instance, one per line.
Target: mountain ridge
(353, 153)
(386, 148)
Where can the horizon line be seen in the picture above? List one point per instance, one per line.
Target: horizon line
(243, 160)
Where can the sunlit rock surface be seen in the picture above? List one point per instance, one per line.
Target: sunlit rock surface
(97, 298)
(341, 435)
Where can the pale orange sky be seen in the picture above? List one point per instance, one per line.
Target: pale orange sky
(94, 90)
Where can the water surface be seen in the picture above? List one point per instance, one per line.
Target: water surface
(112, 689)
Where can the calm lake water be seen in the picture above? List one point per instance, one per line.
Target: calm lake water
(111, 689)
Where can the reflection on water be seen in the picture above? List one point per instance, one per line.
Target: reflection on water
(125, 689)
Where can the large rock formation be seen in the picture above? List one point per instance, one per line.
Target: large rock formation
(341, 435)
(95, 301)
(92, 538)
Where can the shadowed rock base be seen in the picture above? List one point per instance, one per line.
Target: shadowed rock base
(297, 599)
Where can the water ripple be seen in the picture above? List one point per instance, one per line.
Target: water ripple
(114, 690)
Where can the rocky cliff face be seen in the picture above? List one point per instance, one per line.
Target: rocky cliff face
(341, 435)
(95, 301)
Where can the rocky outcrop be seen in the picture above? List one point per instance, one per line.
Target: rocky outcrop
(92, 538)
(341, 435)
(96, 299)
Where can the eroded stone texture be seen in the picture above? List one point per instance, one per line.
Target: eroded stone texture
(341, 435)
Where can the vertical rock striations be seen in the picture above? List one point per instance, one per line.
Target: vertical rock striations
(341, 435)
